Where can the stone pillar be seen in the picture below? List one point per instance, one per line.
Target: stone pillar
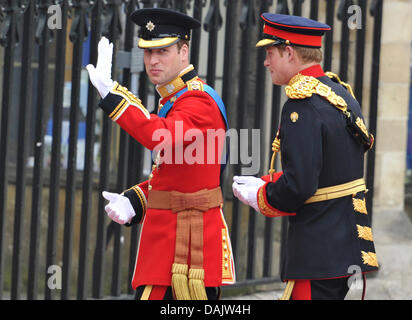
(392, 125)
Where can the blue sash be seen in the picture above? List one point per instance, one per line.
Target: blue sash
(213, 94)
(209, 90)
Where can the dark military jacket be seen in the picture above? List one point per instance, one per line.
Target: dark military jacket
(330, 238)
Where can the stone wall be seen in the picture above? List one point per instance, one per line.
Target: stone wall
(393, 111)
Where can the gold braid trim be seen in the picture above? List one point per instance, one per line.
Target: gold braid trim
(131, 99)
(227, 273)
(361, 125)
(369, 258)
(263, 207)
(146, 292)
(275, 149)
(302, 87)
(364, 233)
(127, 94)
(119, 109)
(195, 85)
(346, 85)
(359, 205)
(288, 290)
(171, 88)
(141, 197)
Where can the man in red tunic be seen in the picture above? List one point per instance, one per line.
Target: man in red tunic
(184, 249)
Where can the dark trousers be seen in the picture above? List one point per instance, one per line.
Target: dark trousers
(329, 289)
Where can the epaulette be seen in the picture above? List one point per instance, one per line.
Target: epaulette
(195, 85)
(302, 87)
(335, 77)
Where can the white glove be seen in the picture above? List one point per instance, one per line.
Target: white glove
(119, 209)
(245, 188)
(101, 76)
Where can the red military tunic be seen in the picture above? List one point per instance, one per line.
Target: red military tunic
(192, 164)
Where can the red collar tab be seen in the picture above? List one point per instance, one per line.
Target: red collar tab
(315, 71)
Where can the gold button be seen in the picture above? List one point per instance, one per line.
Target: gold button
(225, 247)
(150, 187)
(226, 256)
(226, 265)
(151, 176)
(153, 167)
(224, 238)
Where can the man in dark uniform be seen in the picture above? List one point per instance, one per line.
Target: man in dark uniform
(322, 139)
(184, 249)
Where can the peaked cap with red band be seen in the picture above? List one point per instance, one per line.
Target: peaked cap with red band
(291, 30)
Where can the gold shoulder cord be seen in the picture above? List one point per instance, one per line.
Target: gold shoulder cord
(302, 87)
(275, 149)
(346, 85)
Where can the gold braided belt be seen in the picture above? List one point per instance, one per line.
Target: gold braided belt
(188, 283)
(338, 191)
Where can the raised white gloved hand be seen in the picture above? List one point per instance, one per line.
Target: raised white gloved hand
(101, 76)
(119, 209)
(245, 188)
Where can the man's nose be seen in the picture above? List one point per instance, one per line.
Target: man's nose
(154, 59)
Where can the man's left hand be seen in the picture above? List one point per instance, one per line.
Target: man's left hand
(245, 188)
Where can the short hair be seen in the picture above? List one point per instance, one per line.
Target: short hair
(180, 44)
(305, 54)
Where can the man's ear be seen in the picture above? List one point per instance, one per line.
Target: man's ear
(291, 53)
(185, 52)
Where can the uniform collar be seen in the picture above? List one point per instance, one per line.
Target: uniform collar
(315, 71)
(178, 83)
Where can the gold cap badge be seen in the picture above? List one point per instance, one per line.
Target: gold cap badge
(294, 116)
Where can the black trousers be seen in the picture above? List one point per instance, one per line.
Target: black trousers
(329, 289)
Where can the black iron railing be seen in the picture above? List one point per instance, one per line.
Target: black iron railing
(51, 209)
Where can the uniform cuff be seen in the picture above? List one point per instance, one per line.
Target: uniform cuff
(139, 204)
(118, 100)
(275, 176)
(265, 208)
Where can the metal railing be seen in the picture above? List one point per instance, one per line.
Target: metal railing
(51, 211)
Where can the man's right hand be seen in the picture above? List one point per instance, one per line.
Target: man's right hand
(245, 188)
(119, 209)
(101, 76)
